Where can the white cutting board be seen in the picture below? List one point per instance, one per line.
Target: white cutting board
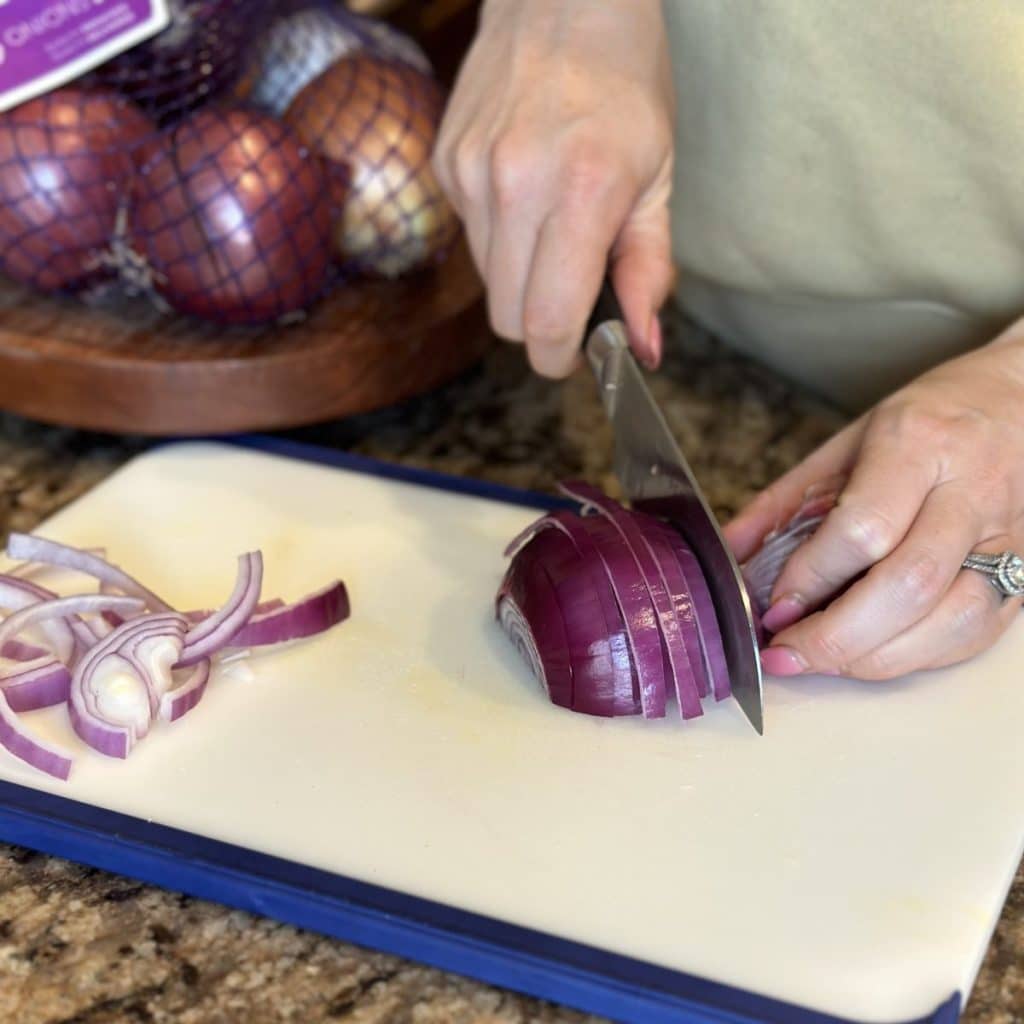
(853, 860)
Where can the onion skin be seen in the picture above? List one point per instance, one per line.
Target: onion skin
(303, 44)
(65, 168)
(379, 119)
(234, 218)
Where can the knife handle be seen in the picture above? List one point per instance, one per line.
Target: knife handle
(605, 349)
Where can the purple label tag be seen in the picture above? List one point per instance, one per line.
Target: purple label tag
(45, 44)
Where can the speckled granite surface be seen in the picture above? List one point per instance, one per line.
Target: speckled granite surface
(81, 947)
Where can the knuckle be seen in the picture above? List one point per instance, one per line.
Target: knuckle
(588, 171)
(921, 580)
(465, 162)
(914, 422)
(544, 326)
(510, 169)
(974, 614)
(866, 531)
(878, 666)
(827, 651)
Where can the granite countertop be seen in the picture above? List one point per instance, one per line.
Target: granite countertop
(81, 947)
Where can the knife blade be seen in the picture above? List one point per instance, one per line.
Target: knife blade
(657, 479)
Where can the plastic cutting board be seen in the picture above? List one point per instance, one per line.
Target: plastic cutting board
(403, 783)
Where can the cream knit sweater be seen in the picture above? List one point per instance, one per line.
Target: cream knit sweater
(849, 194)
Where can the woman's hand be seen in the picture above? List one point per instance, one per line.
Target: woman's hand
(556, 150)
(934, 472)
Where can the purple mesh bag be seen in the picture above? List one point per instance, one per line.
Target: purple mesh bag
(235, 167)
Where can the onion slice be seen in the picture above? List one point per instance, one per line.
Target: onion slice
(29, 548)
(218, 630)
(278, 623)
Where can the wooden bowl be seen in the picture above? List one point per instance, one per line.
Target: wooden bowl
(132, 370)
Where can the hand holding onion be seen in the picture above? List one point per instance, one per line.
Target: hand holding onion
(935, 471)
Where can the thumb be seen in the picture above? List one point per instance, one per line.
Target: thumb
(643, 274)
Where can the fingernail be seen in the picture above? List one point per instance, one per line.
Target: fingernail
(782, 661)
(783, 613)
(655, 343)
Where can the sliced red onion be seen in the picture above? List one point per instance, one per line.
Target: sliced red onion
(62, 608)
(185, 697)
(17, 593)
(599, 656)
(33, 751)
(704, 611)
(13, 735)
(626, 524)
(111, 696)
(280, 622)
(218, 630)
(29, 548)
(655, 534)
(16, 650)
(41, 683)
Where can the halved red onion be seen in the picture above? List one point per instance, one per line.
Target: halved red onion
(629, 579)
(628, 526)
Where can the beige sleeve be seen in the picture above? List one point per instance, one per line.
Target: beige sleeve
(849, 196)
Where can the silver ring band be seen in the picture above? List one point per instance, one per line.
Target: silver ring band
(1004, 571)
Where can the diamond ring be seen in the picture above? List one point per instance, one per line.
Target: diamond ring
(1005, 571)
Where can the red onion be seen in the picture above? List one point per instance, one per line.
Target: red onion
(610, 607)
(233, 217)
(155, 664)
(299, 46)
(608, 611)
(115, 687)
(65, 169)
(219, 629)
(377, 120)
(764, 567)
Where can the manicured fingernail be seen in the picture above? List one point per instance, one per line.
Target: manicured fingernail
(783, 613)
(782, 661)
(655, 343)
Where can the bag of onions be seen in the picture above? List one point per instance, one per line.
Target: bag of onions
(236, 166)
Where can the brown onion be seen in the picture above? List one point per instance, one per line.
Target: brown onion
(379, 119)
(65, 167)
(233, 216)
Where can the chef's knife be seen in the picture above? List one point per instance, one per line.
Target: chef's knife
(656, 478)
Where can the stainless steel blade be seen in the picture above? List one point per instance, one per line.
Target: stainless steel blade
(656, 478)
